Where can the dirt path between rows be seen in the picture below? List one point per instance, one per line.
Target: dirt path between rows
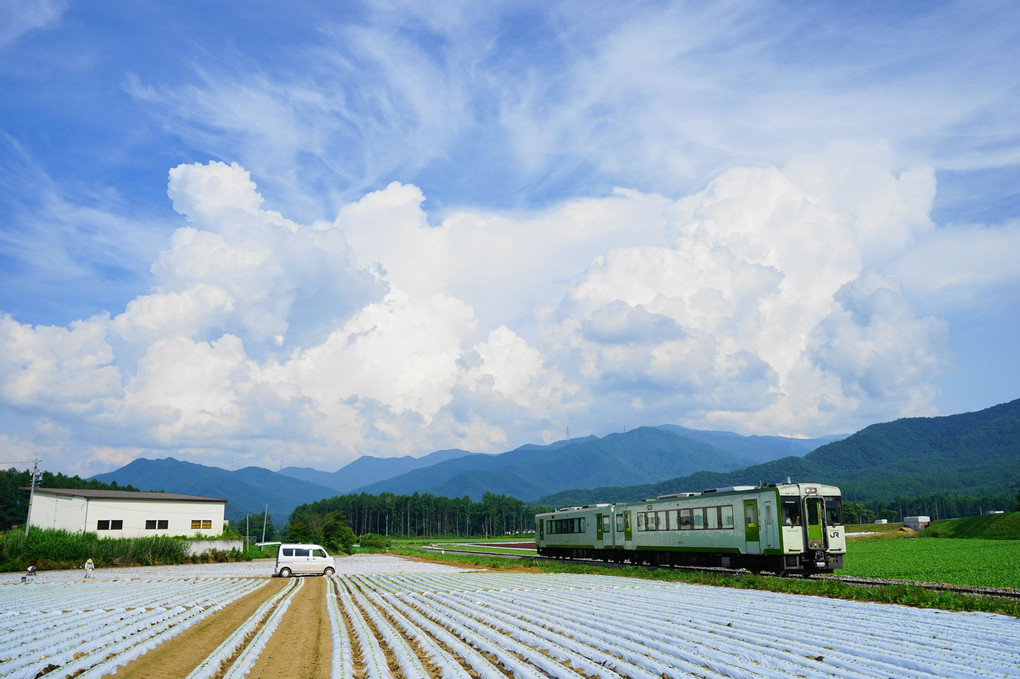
(184, 652)
(302, 645)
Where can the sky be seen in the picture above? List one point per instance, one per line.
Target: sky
(292, 234)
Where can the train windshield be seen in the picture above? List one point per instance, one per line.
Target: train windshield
(834, 511)
(791, 512)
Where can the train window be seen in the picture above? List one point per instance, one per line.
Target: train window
(750, 514)
(791, 512)
(712, 518)
(606, 524)
(686, 522)
(699, 518)
(662, 520)
(834, 511)
(727, 516)
(673, 517)
(619, 523)
(812, 512)
(641, 521)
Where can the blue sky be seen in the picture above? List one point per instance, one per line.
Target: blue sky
(303, 232)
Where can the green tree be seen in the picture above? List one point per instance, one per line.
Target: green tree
(336, 534)
(298, 531)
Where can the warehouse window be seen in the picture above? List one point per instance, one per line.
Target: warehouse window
(197, 524)
(156, 524)
(110, 524)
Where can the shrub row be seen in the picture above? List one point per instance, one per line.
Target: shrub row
(60, 549)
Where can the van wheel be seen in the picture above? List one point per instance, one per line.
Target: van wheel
(329, 571)
(284, 572)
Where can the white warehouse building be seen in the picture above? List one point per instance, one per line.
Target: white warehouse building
(126, 514)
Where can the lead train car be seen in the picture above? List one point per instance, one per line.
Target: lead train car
(777, 528)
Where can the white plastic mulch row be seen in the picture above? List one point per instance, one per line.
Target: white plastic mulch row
(89, 628)
(263, 623)
(563, 625)
(525, 625)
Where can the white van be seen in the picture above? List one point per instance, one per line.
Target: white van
(292, 559)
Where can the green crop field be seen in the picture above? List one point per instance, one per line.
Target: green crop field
(979, 563)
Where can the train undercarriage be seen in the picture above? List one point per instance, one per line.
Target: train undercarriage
(805, 562)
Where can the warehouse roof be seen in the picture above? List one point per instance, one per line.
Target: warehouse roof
(124, 495)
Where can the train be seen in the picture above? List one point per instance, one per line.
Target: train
(777, 528)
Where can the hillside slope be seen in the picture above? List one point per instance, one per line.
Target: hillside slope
(247, 490)
(968, 454)
(642, 455)
(369, 469)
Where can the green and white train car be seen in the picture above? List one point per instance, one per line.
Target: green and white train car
(787, 527)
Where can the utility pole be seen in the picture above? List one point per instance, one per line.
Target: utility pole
(31, 494)
(265, 516)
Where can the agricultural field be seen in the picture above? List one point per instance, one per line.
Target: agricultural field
(381, 616)
(978, 563)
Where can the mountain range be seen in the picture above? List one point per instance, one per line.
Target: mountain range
(968, 454)
(972, 454)
(640, 456)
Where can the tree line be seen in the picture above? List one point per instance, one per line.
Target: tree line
(935, 505)
(417, 515)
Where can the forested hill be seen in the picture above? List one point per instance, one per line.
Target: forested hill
(970, 454)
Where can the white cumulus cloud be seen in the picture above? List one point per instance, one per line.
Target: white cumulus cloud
(754, 304)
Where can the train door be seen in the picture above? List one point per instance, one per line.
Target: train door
(813, 522)
(751, 528)
(599, 531)
(628, 534)
(768, 539)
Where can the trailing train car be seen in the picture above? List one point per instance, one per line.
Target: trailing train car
(787, 527)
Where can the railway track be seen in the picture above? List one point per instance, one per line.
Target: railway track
(850, 580)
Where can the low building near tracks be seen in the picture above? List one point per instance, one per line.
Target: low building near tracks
(126, 514)
(916, 522)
